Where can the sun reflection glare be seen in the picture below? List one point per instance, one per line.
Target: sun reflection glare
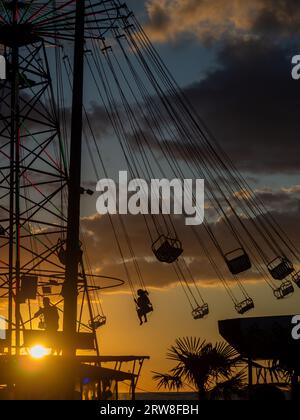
(38, 352)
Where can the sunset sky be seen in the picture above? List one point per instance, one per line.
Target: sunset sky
(233, 59)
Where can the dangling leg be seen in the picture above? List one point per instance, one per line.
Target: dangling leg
(140, 316)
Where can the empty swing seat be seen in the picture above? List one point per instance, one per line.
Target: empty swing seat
(238, 261)
(98, 322)
(280, 268)
(286, 289)
(167, 250)
(47, 290)
(245, 306)
(201, 312)
(296, 278)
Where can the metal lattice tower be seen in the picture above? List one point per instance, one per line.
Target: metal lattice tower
(37, 171)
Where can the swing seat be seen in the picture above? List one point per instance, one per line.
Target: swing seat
(238, 261)
(286, 289)
(296, 278)
(149, 309)
(280, 268)
(145, 311)
(28, 288)
(47, 290)
(98, 322)
(167, 250)
(245, 306)
(201, 312)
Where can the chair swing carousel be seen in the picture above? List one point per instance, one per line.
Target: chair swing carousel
(151, 81)
(224, 182)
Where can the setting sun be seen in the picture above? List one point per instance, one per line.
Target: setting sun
(38, 352)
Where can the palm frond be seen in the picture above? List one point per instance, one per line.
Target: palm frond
(185, 347)
(226, 351)
(167, 381)
(233, 386)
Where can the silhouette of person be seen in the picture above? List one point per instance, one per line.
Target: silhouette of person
(143, 305)
(50, 314)
(51, 320)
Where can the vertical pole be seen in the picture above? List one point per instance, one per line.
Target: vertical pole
(73, 249)
(11, 205)
(14, 133)
(250, 377)
(133, 389)
(117, 390)
(90, 309)
(17, 224)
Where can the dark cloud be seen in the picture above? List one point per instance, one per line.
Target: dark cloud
(249, 103)
(280, 201)
(251, 106)
(231, 19)
(278, 18)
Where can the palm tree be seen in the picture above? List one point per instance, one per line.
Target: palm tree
(210, 369)
(285, 371)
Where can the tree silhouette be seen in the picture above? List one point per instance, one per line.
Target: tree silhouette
(210, 369)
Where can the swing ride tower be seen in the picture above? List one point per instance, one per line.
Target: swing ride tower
(40, 186)
(30, 138)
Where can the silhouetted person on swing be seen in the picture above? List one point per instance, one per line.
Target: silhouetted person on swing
(143, 305)
(50, 314)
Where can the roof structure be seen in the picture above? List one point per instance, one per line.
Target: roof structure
(262, 338)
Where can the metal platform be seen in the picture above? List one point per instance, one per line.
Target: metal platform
(32, 379)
